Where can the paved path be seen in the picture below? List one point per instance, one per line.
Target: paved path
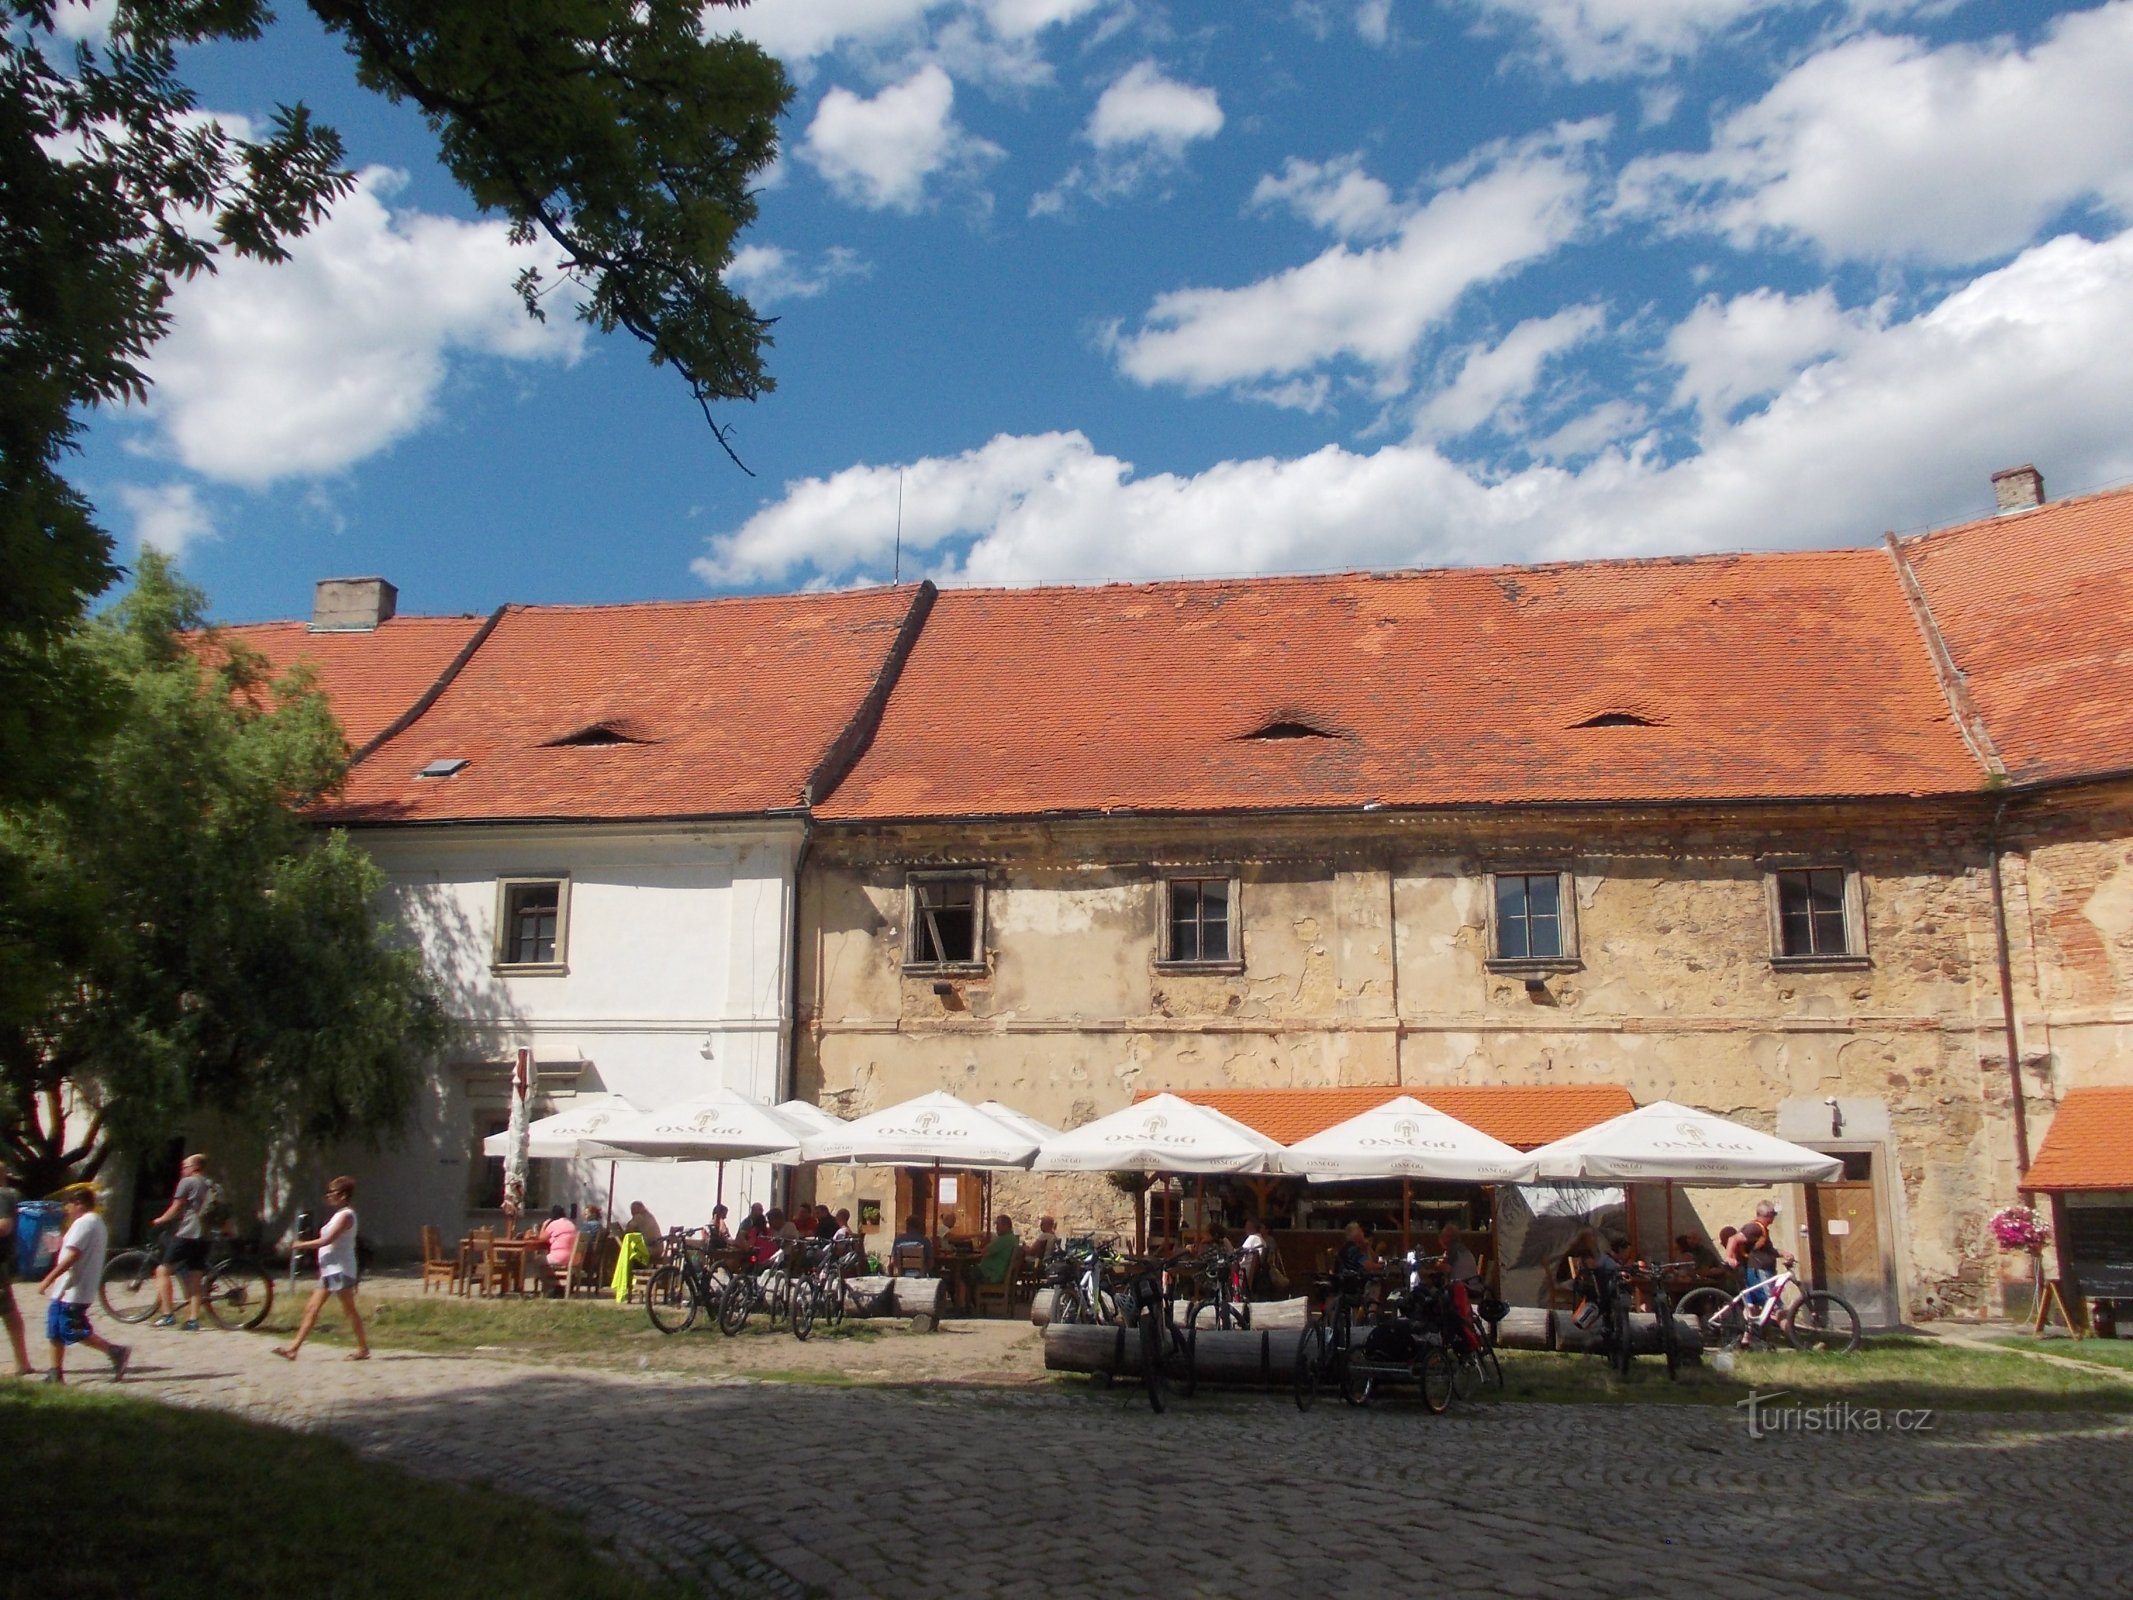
(761, 1489)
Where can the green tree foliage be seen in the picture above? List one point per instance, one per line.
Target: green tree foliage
(184, 940)
(613, 129)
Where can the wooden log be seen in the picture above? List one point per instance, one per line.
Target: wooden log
(1643, 1336)
(1526, 1328)
(911, 1296)
(1256, 1356)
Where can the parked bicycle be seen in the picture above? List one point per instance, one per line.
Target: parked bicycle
(765, 1286)
(1082, 1274)
(1778, 1308)
(1147, 1303)
(1325, 1348)
(237, 1289)
(692, 1282)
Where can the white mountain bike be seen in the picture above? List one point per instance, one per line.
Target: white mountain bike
(1779, 1310)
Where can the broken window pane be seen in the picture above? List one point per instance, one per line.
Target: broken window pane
(944, 922)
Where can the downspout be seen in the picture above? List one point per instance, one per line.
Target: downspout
(2007, 1002)
(789, 1089)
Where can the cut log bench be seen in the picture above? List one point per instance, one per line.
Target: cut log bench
(1263, 1357)
(913, 1297)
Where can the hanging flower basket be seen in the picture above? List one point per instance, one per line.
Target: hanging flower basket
(2020, 1228)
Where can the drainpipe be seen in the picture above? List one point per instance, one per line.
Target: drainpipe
(2007, 1003)
(790, 1088)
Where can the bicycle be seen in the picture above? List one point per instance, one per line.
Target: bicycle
(763, 1286)
(1147, 1303)
(237, 1291)
(1325, 1348)
(1081, 1274)
(1662, 1304)
(1603, 1289)
(692, 1282)
(1812, 1320)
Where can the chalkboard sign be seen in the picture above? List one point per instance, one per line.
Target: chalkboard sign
(2099, 1247)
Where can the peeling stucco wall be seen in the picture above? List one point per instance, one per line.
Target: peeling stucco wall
(1366, 962)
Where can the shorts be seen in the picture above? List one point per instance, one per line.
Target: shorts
(66, 1324)
(335, 1282)
(185, 1255)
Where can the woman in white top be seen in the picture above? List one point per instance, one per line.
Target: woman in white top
(336, 1247)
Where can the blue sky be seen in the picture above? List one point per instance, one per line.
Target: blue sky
(1109, 289)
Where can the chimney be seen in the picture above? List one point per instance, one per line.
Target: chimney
(351, 605)
(2018, 489)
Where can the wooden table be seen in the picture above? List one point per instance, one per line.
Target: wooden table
(509, 1256)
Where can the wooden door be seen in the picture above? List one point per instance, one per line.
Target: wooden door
(1846, 1253)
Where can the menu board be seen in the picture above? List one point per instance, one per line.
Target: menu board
(2099, 1247)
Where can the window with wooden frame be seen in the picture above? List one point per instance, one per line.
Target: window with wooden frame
(1816, 916)
(1200, 924)
(532, 924)
(1532, 919)
(944, 921)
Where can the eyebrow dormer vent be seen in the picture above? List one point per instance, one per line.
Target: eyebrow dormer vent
(1616, 719)
(594, 735)
(1289, 728)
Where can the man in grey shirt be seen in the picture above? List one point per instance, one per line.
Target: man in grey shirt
(185, 1251)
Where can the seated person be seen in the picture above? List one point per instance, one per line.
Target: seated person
(560, 1237)
(1047, 1242)
(643, 1222)
(998, 1261)
(1354, 1261)
(913, 1235)
(823, 1221)
(843, 1220)
(1251, 1258)
(782, 1226)
(752, 1224)
(716, 1236)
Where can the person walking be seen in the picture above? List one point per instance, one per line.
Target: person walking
(18, 1340)
(336, 1247)
(185, 1251)
(77, 1272)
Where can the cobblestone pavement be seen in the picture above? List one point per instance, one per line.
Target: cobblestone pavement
(771, 1489)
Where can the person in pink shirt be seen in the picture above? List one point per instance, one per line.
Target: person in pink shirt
(560, 1235)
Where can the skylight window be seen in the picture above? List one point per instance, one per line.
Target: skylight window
(443, 767)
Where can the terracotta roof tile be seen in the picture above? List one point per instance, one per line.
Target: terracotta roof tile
(707, 707)
(1524, 1116)
(370, 677)
(2089, 1144)
(2037, 610)
(1762, 676)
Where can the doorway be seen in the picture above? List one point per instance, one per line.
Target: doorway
(1847, 1251)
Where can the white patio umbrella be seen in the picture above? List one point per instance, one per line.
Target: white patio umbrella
(573, 1134)
(1040, 1131)
(722, 1125)
(1679, 1144)
(1162, 1134)
(1405, 1139)
(933, 1130)
(807, 1116)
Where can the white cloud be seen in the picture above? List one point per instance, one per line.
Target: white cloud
(1738, 350)
(1493, 380)
(306, 367)
(1144, 108)
(167, 517)
(1336, 195)
(766, 274)
(880, 153)
(993, 40)
(1884, 148)
(1614, 38)
(1374, 305)
(86, 21)
(1900, 429)
(1141, 127)
(1373, 20)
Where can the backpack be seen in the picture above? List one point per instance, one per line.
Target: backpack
(215, 1213)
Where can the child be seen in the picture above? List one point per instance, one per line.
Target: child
(72, 1283)
(336, 1247)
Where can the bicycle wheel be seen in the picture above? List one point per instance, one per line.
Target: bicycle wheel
(830, 1308)
(1437, 1378)
(804, 1298)
(1824, 1323)
(668, 1300)
(1491, 1368)
(1668, 1346)
(1241, 1315)
(129, 1287)
(1355, 1381)
(735, 1305)
(1703, 1307)
(238, 1297)
(1152, 1356)
(1467, 1377)
(1068, 1308)
(1618, 1353)
(1310, 1364)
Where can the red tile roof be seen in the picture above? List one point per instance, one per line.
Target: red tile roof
(1524, 1116)
(1762, 676)
(2089, 1144)
(370, 677)
(722, 707)
(2037, 610)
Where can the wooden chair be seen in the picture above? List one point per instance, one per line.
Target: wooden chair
(908, 1261)
(437, 1267)
(485, 1268)
(1002, 1294)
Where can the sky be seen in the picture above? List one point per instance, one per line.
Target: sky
(1099, 290)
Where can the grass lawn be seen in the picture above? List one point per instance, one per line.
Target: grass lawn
(2096, 1352)
(161, 1502)
(1889, 1371)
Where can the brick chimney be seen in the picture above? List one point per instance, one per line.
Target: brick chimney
(351, 605)
(2018, 489)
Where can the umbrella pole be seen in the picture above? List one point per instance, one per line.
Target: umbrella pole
(1407, 1216)
(1669, 1250)
(1629, 1192)
(721, 1199)
(610, 1216)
